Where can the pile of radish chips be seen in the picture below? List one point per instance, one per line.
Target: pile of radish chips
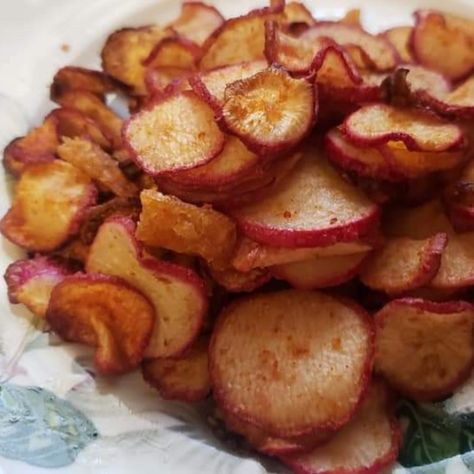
(284, 223)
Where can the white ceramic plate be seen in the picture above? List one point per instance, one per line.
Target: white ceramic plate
(136, 432)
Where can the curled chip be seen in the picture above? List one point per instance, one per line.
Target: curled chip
(312, 207)
(378, 49)
(235, 162)
(270, 111)
(185, 378)
(189, 134)
(167, 222)
(124, 52)
(177, 293)
(273, 445)
(248, 32)
(197, 21)
(250, 254)
(91, 106)
(399, 38)
(290, 338)
(373, 162)
(235, 281)
(75, 250)
(368, 443)
(71, 78)
(211, 85)
(443, 36)
(174, 52)
(425, 349)
(404, 264)
(48, 207)
(319, 272)
(38, 146)
(106, 313)
(73, 123)
(419, 130)
(97, 164)
(31, 281)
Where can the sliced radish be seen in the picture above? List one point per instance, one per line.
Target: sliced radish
(71, 78)
(30, 282)
(399, 38)
(175, 133)
(93, 107)
(269, 444)
(319, 272)
(211, 85)
(297, 12)
(177, 294)
(250, 254)
(367, 444)
(97, 164)
(425, 349)
(379, 123)
(124, 52)
(197, 21)
(270, 111)
(404, 264)
(312, 207)
(175, 51)
(106, 313)
(370, 162)
(248, 32)
(441, 35)
(377, 48)
(169, 223)
(234, 162)
(38, 146)
(49, 205)
(311, 349)
(185, 378)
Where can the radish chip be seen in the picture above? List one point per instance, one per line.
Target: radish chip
(30, 282)
(399, 38)
(286, 347)
(185, 378)
(368, 443)
(105, 313)
(312, 207)
(378, 124)
(270, 111)
(192, 136)
(319, 272)
(176, 293)
(425, 349)
(48, 207)
(404, 264)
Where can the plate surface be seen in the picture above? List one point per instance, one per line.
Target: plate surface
(53, 412)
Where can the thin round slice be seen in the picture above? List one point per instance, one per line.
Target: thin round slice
(312, 207)
(404, 264)
(367, 444)
(270, 111)
(319, 272)
(49, 205)
(176, 133)
(185, 378)
(312, 350)
(177, 293)
(399, 38)
(106, 313)
(425, 349)
(418, 130)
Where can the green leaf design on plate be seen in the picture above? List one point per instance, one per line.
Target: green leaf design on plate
(432, 435)
(41, 429)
